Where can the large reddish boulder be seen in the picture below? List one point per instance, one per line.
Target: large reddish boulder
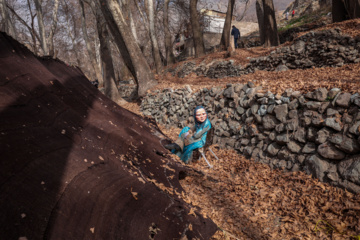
(74, 165)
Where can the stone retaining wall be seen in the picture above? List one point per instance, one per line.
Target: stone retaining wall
(314, 49)
(318, 132)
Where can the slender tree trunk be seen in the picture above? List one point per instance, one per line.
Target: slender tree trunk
(7, 24)
(40, 19)
(345, 9)
(270, 28)
(260, 17)
(196, 28)
(154, 42)
(127, 45)
(88, 47)
(225, 37)
(53, 28)
(107, 63)
(170, 59)
(71, 26)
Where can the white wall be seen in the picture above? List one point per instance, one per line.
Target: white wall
(214, 24)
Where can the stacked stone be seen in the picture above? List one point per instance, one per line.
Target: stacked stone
(318, 132)
(314, 49)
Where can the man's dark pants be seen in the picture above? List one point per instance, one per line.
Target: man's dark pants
(235, 42)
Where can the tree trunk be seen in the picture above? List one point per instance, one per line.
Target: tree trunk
(6, 23)
(88, 47)
(154, 42)
(40, 19)
(127, 45)
(344, 10)
(225, 37)
(53, 28)
(196, 28)
(270, 28)
(260, 17)
(71, 25)
(107, 63)
(170, 58)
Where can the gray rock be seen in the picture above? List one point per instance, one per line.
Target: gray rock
(346, 144)
(272, 136)
(229, 92)
(333, 92)
(254, 108)
(313, 105)
(281, 68)
(245, 141)
(294, 147)
(300, 46)
(240, 110)
(352, 187)
(296, 168)
(320, 94)
(288, 92)
(280, 127)
(281, 112)
(333, 176)
(331, 112)
(309, 148)
(333, 123)
(300, 158)
(293, 114)
(273, 149)
(282, 139)
(350, 169)
(343, 100)
(296, 94)
(317, 167)
(248, 150)
(355, 129)
(262, 110)
(269, 122)
(300, 135)
(292, 124)
(322, 135)
(271, 108)
(329, 151)
(323, 107)
(294, 104)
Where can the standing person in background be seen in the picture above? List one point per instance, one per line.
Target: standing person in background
(287, 15)
(293, 13)
(236, 33)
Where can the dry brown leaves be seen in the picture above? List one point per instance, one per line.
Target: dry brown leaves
(250, 201)
(347, 78)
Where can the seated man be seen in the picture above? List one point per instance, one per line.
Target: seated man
(191, 139)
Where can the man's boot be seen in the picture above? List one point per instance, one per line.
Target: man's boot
(173, 146)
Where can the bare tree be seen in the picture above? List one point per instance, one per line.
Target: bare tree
(6, 25)
(154, 42)
(127, 45)
(260, 18)
(107, 63)
(269, 27)
(71, 29)
(50, 39)
(170, 59)
(196, 28)
(225, 37)
(345, 9)
(88, 46)
(31, 29)
(40, 20)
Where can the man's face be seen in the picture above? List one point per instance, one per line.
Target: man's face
(201, 115)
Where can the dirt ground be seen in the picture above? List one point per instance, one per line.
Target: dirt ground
(248, 200)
